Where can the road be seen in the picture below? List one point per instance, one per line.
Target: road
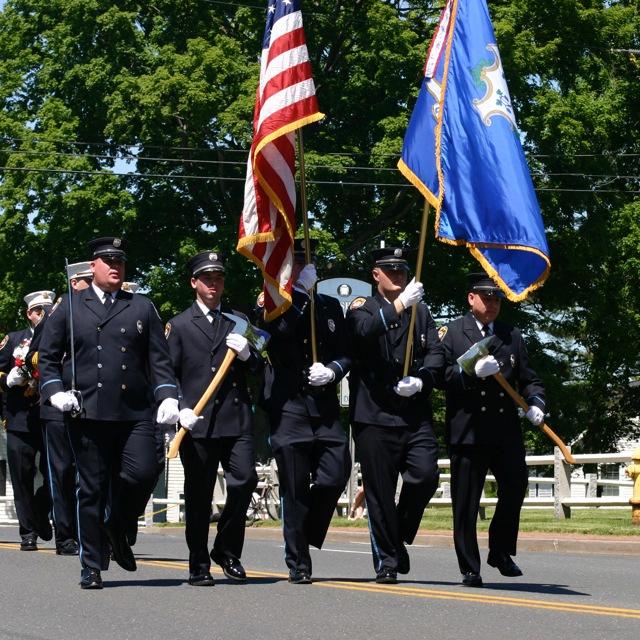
(561, 595)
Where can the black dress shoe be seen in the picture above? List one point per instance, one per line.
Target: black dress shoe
(120, 548)
(504, 564)
(201, 580)
(90, 579)
(230, 566)
(299, 576)
(28, 543)
(386, 576)
(471, 579)
(44, 530)
(67, 548)
(404, 564)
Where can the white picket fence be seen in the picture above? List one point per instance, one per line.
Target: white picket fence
(566, 492)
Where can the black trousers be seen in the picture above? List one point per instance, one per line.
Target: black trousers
(62, 478)
(384, 454)
(313, 468)
(32, 505)
(200, 458)
(469, 467)
(117, 468)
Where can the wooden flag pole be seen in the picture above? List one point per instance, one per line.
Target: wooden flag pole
(307, 244)
(418, 275)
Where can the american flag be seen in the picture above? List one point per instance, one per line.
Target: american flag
(285, 101)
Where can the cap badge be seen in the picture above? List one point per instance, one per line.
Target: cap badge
(213, 257)
(117, 242)
(398, 253)
(45, 295)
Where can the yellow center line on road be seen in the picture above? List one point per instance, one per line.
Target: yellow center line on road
(439, 594)
(409, 591)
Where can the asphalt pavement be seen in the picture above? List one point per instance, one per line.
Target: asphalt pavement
(573, 587)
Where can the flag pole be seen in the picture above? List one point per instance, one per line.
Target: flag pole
(418, 275)
(307, 244)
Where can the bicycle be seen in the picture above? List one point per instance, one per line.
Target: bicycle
(265, 499)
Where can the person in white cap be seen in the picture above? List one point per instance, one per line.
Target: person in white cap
(24, 433)
(80, 275)
(61, 467)
(123, 371)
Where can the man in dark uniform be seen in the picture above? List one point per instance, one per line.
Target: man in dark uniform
(391, 413)
(24, 432)
(199, 339)
(300, 398)
(483, 428)
(123, 369)
(61, 466)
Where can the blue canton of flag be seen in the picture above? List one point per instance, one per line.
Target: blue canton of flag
(462, 151)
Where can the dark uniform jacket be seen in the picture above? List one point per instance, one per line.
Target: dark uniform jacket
(20, 403)
(286, 386)
(378, 339)
(479, 411)
(122, 363)
(197, 349)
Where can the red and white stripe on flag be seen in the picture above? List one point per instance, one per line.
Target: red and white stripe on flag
(285, 101)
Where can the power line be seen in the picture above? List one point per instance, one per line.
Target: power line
(337, 183)
(310, 165)
(138, 145)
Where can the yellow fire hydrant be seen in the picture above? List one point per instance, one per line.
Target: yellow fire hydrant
(633, 471)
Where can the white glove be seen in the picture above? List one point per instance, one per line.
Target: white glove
(188, 419)
(64, 401)
(320, 375)
(486, 366)
(408, 386)
(168, 411)
(307, 277)
(412, 294)
(240, 345)
(535, 415)
(15, 377)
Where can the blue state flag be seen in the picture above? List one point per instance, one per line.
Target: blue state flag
(462, 151)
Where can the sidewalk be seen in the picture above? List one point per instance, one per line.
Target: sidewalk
(527, 541)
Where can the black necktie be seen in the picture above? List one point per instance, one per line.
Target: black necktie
(486, 331)
(108, 301)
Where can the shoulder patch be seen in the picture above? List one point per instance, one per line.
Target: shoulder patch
(4, 341)
(442, 332)
(260, 300)
(167, 330)
(357, 303)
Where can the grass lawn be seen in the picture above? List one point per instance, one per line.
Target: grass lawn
(595, 521)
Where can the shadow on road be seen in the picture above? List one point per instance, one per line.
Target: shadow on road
(525, 587)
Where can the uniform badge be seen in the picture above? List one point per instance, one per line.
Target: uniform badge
(423, 340)
(357, 303)
(167, 330)
(260, 300)
(332, 325)
(139, 326)
(4, 342)
(55, 306)
(442, 332)
(513, 361)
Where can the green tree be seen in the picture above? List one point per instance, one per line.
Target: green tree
(89, 85)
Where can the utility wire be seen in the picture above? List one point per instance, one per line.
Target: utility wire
(337, 183)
